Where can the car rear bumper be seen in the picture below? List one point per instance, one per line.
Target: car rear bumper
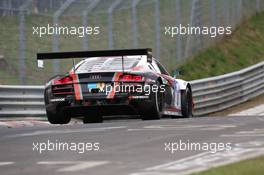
(120, 104)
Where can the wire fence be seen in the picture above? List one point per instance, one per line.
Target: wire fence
(113, 24)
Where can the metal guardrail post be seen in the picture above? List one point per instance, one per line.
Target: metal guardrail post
(198, 22)
(178, 37)
(22, 64)
(22, 44)
(213, 13)
(239, 10)
(192, 17)
(110, 23)
(134, 23)
(157, 28)
(258, 8)
(85, 13)
(226, 12)
(55, 39)
(8, 5)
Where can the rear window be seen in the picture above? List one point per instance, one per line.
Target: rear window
(107, 64)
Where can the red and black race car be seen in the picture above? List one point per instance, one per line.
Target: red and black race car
(114, 82)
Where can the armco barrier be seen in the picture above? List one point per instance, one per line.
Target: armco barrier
(210, 94)
(21, 101)
(218, 93)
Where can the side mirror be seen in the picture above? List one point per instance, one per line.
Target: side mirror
(40, 64)
(176, 73)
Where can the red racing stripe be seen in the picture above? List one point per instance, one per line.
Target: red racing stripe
(115, 79)
(76, 85)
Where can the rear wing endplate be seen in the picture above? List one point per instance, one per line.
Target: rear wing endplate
(88, 54)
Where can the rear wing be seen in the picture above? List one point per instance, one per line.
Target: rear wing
(88, 54)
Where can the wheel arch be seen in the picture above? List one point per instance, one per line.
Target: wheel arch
(183, 85)
(159, 79)
(189, 87)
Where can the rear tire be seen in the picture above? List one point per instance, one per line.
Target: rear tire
(58, 118)
(186, 103)
(156, 109)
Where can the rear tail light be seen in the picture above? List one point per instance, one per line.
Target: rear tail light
(131, 78)
(64, 80)
(137, 78)
(63, 86)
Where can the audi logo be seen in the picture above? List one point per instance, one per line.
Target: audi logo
(95, 77)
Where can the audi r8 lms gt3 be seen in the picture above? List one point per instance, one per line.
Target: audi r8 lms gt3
(114, 82)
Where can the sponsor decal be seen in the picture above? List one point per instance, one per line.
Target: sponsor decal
(57, 99)
(138, 97)
(99, 85)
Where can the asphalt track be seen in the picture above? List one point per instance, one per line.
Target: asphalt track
(131, 146)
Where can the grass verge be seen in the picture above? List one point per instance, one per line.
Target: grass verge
(243, 48)
(253, 166)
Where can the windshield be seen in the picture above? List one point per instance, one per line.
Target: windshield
(107, 64)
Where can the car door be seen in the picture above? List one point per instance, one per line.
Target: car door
(167, 81)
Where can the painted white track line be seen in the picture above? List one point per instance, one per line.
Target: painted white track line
(6, 163)
(206, 160)
(72, 166)
(28, 123)
(19, 124)
(258, 110)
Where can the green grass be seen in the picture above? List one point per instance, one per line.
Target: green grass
(247, 167)
(243, 48)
